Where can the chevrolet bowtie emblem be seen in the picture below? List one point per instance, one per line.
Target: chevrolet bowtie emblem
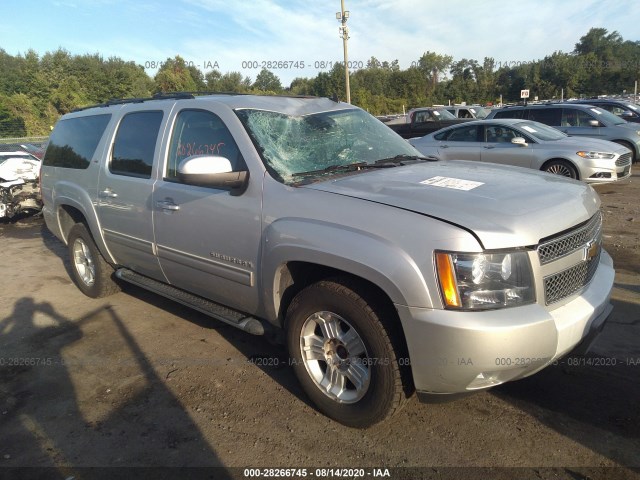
(591, 250)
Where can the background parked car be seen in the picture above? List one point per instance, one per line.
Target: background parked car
(529, 144)
(421, 121)
(468, 111)
(626, 110)
(579, 120)
(18, 165)
(19, 173)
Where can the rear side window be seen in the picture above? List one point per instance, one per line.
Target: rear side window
(509, 113)
(548, 116)
(74, 141)
(135, 144)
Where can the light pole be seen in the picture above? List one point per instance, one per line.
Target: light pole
(342, 16)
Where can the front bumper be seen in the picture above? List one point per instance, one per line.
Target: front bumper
(456, 352)
(601, 172)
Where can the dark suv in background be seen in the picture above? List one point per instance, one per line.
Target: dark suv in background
(626, 110)
(578, 119)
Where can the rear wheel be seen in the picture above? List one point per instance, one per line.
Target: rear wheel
(343, 355)
(562, 168)
(89, 270)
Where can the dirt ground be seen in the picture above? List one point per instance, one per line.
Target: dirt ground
(135, 380)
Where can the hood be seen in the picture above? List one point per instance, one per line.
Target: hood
(504, 207)
(631, 126)
(587, 143)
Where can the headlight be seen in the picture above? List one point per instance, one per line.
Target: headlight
(476, 281)
(596, 155)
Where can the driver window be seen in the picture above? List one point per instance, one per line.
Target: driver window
(464, 134)
(199, 132)
(583, 118)
(424, 116)
(498, 134)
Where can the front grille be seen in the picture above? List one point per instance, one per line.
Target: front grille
(623, 160)
(562, 284)
(570, 242)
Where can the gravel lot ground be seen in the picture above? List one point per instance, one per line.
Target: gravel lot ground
(135, 380)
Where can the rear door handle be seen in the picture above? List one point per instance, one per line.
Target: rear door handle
(489, 146)
(107, 193)
(444, 146)
(168, 205)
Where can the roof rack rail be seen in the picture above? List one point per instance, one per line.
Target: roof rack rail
(172, 96)
(122, 101)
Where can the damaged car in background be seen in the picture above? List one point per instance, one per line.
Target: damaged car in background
(19, 189)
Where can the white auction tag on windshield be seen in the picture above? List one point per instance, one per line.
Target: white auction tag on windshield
(595, 110)
(455, 183)
(436, 113)
(529, 129)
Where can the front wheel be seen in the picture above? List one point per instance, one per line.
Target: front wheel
(562, 168)
(89, 270)
(343, 355)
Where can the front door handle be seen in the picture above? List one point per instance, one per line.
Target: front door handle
(168, 205)
(444, 146)
(489, 146)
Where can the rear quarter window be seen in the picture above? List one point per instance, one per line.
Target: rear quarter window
(508, 113)
(74, 141)
(548, 116)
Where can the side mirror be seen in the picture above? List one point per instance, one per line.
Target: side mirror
(626, 114)
(212, 171)
(594, 123)
(519, 141)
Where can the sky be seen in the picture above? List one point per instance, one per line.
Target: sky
(246, 35)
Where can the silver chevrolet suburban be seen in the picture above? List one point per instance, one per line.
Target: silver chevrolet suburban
(309, 220)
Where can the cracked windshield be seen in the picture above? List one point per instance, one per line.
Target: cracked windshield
(291, 145)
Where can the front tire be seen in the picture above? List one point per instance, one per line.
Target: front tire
(89, 270)
(562, 168)
(343, 355)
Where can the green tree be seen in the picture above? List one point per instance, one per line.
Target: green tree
(174, 76)
(433, 66)
(11, 125)
(267, 81)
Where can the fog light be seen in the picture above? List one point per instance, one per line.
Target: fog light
(601, 175)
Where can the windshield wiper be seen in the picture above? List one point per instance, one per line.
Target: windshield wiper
(403, 159)
(390, 162)
(349, 167)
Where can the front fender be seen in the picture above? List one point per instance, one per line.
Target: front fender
(356, 252)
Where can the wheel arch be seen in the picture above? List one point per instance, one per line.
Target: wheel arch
(68, 212)
(627, 144)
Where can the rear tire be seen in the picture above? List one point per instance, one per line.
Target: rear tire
(343, 355)
(89, 270)
(562, 168)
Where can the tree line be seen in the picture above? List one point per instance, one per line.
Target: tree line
(35, 90)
